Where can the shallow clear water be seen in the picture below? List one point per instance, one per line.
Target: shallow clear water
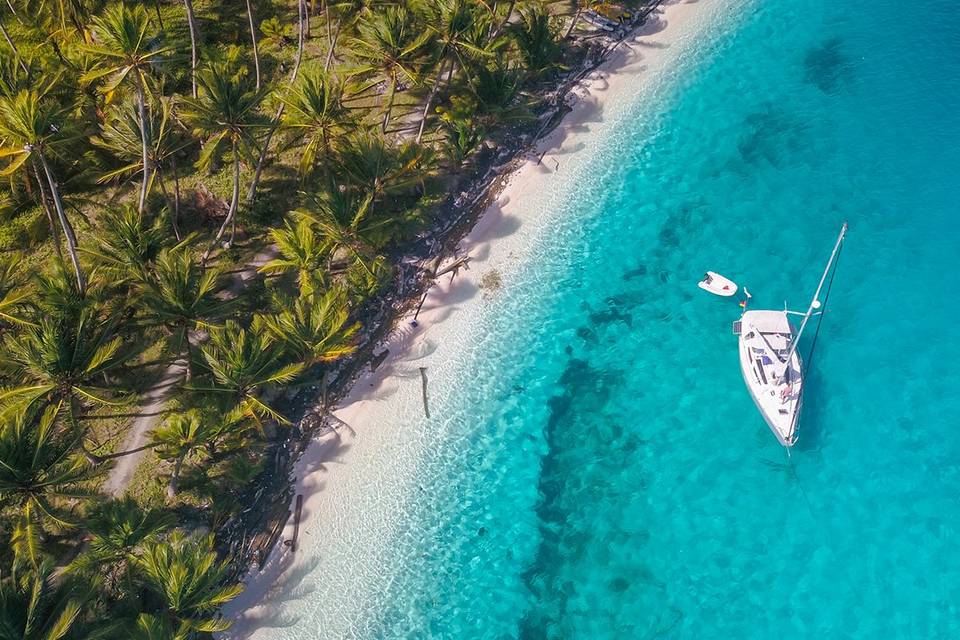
(602, 472)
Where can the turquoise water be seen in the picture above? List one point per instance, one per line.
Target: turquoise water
(604, 473)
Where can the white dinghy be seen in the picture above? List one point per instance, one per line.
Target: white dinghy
(770, 362)
(717, 284)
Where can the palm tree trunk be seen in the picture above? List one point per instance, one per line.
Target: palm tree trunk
(192, 24)
(170, 203)
(13, 47)
(188, 355)
(174, 485)
(573, 23)
(176, 191)
(144, 138)
(391, 94)
(252, 191)
(156, 5)
(253, 39)
(506, 20)
(433, 93)
(304, 26)
(333, 46)
(65, 223)
(14, 12)
(232, 212)
(46, 208)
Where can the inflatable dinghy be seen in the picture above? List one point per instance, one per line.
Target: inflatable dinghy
(717, 284)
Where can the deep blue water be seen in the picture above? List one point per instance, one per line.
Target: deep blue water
(604, 474)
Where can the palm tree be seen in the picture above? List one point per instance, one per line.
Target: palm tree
(315, 117)
(225, 114)
(35, 605)
(243, 363)
(373, 167)
(118, 531)
(120, 136)
(389, 44)
(182, 296)
(192, 434)
(65, 360)
(186, 576)
(126, 47)
(301, 252)
(450, 22)
(151, 627)
(316, 328)
(128, 244)
(536, 37)
(346, 226)
(30, 125)
(42, 476)
(496, 90)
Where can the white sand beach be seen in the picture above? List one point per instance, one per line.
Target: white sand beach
(354, 483)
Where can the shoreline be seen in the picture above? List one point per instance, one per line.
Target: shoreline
(335, 472)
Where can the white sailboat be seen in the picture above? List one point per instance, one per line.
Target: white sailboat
(770, 361)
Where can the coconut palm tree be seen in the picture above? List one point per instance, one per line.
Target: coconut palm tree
(194, 435)
(128, 244)
(371, 166)
(315, 117)
(33, 127)
(225, 115)
(182, 296)
(118, 530)
(63, 361)
(35, 605)
(316, 328)
(390, 45)
(449, 22)
(190, 582)
(275, 123)
(151, 627)
(537, 40)
(301, 252)
(42, 478)
(244, 363)
(120, 137)
(126, 47)
(348, 231)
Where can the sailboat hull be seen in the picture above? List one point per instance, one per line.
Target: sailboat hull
(774, 382)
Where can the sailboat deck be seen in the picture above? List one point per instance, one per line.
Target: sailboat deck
(774, 383)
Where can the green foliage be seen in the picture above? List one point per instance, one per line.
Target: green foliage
(243, 363)
(316, 328)
(42, 478)
(189, 580)
(537, 37)
(34, 605)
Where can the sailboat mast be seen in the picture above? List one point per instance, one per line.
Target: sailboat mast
(815, 303)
